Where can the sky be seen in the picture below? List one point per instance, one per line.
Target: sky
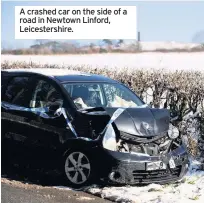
(157, 21)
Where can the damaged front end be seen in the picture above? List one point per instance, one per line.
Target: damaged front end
(140, 146)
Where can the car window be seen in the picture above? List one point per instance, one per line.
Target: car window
(18, 91)
(45, 95)
(120, 96)
(86, 95)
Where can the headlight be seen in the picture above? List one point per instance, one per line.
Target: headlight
(173, 131)
(109, 139)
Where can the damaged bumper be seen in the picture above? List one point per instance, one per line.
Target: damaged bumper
(142, 169)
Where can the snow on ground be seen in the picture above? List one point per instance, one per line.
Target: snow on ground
(191, 189)
(169, 61)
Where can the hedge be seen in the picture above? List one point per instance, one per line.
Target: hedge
(181, 92)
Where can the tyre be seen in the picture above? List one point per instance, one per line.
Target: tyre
(78, 169)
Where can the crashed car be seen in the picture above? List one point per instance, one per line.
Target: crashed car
(88, 127)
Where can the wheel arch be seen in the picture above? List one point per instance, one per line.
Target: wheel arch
(79, 144)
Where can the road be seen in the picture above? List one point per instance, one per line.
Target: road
(21, 185)
(23, 193)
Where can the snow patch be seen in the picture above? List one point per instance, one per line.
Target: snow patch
(190, 189)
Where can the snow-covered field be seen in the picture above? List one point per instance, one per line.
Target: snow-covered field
(169, 61)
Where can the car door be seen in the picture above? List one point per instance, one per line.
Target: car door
(49, 130)
(16, 96)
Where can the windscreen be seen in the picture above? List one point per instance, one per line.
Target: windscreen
(89, 95)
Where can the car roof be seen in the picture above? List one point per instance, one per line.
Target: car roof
(63, 75)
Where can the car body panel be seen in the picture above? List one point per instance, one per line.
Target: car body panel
(143, 121)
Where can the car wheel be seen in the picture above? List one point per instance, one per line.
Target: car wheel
(78, 168)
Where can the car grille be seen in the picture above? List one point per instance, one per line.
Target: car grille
(134, 138)
(147, 145)
(156, 176)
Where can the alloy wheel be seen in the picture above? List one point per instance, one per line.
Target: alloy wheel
(77, 168)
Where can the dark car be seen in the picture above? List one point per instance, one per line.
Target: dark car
(88, 126)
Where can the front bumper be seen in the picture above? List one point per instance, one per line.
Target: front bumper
(131, 169)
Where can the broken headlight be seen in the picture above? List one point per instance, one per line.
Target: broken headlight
(109, 139)
(173, 131)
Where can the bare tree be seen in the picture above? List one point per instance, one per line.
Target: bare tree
(120, 41)
(108, 41)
